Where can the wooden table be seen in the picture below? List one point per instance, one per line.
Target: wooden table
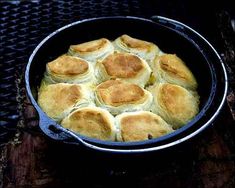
(29, 159)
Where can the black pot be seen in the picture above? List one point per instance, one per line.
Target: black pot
(172, 37)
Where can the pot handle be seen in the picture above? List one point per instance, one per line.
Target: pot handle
(55, 131)
(52, 129)
(177, 26)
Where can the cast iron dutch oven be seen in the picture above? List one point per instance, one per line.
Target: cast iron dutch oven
(172, 37)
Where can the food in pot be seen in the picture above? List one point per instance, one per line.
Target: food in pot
(141, 125)
(144, 49)
(123, 90)
(58, 100)
(92, 50)
(93, 122)
(69, 69)
(174, 103)
(123, 66)
(170, 68)
(118, 96)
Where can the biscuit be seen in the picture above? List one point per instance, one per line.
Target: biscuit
(57, 100)
(123, 66)
(118, 96)
(141, 125)
(69, 69)
(174, 104)
(92, 50)
(170, 68)
(144, 49)
(92, 122)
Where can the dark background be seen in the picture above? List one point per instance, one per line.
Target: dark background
(28, 159)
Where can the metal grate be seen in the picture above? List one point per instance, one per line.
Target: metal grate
(23, 24)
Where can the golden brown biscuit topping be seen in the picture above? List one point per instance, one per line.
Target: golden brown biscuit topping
(90, 46)
(142, 118)
(176, 100)
(142, 127)
(68, 65)
(116, 92)
(89, 122)
(174, 66)
(56, 98)
(122, 65)
(135, 43)
(123, 110)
